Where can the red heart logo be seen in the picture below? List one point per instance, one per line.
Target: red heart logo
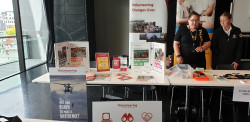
(146, 116)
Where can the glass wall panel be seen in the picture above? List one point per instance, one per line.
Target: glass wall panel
(35, 31)
(9, 64)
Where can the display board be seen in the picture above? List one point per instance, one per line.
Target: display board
(241, 15)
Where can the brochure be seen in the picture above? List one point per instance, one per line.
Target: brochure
(68, 93)
(149, 55)
(102, 62)
(123, 66)
(72, 54)
(144, 78)
(159, 52)
(141, 55)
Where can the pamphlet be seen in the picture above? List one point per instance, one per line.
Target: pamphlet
(102, 76)
(68, 93)
(102, 62)
(72, 54)
(144, 78)
(141, 55)
(123, 66)
(149, 55)
(159, 52)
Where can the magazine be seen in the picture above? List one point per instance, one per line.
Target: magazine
(68, 93)
(72, 54)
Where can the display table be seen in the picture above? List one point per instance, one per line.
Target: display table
(159, 79)
(113, 79)
(213, 82)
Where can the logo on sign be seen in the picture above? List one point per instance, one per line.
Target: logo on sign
(127, 118)
(106, 117)
(146, 116)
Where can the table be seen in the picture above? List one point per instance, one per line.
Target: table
(159, 79)
(213, 82)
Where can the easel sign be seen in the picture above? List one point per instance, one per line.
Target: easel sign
(241, 93)
(127, 111)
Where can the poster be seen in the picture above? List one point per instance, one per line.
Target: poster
(68, 93)
(147, 21)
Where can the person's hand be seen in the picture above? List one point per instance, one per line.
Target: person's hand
(235, 65)
(180, 60)
(199, 49)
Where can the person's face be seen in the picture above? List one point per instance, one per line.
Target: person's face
(194, 21)
(225, 22)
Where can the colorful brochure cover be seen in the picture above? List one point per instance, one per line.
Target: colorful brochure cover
(68, 93)
(141, 54)
(159, 52)
(72, 54)
(102, 62)
(149, 55)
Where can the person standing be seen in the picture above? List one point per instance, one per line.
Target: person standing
(190, 43)
(226, 43)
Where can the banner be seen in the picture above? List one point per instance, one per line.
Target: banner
(127, 111)
(68, 93)
(147, 21)
(206, 10)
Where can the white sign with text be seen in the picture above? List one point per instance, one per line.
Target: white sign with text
(127, 111)
(241, 93)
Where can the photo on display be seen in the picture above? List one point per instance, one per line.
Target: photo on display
(153, 37)
(78, 52)
(141, 54)
(62, 54)
(159, 54)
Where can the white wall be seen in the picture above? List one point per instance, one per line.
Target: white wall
(241, 15)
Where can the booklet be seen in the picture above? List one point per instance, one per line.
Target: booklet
(68, 93)
(72, 54)
(102, 62)
(148, 55)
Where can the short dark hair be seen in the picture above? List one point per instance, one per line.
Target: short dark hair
(226, 14)
(193, 13)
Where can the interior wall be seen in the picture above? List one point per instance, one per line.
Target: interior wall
(111, 26)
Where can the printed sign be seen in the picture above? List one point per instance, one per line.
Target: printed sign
(127, 111)
(241, 93)
(68, 93)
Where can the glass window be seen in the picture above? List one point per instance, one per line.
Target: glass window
(35, 31)
(9, 64)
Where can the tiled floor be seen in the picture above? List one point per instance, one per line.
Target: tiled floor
(19, 96)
